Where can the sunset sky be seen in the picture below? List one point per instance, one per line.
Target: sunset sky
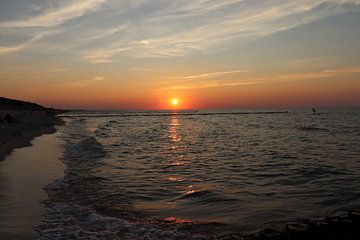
(141, 54)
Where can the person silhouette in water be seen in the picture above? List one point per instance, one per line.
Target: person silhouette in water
(314, 111)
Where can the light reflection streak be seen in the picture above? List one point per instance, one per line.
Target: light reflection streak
(173, 129)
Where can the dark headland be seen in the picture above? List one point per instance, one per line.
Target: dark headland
(21, 121)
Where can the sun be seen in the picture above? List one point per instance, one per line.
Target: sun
(174, 101)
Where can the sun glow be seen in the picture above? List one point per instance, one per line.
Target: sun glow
(174, 102)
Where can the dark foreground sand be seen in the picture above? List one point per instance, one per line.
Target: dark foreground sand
(30, 125)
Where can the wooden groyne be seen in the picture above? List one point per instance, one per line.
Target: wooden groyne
(170, 114)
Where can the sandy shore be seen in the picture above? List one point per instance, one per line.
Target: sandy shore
(30, 125)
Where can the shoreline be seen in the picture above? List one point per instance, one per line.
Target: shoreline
(31, 124)
(24, 174)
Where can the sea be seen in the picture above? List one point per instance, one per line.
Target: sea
(201, 174)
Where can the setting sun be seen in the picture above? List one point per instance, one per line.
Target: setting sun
(174, 102)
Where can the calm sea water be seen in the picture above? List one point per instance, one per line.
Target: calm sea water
(170, 175)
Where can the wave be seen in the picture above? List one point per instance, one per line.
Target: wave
(65, 221)
(80, 206)
(197, 194)
(313, 129)
(85, 150)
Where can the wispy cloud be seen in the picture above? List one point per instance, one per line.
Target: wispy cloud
(323, 74)
(57, 16)
(40, 26)
(26, 44)
(343, 70)
(209, 85)
(99, 78)
(92, 35)
(5, 50)
(142, 69)
(330, 73)
(211, 75)
(84, 83)
(158, 28)
(327, 73)
(57, 69)
(299, 76)
(102, 55)
(205, 80)
(214, 24)
(305, 62)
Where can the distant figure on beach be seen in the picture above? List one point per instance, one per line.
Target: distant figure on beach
(50, 111)
(9, 119)
(314, 110)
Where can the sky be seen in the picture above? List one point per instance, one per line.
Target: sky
(208, 54)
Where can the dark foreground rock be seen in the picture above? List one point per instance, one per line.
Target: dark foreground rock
(345, 227)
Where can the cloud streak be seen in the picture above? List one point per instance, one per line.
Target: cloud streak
(215, 24)
(99, 78)
(36, 37)
(209, 85)
(5, 50)
(164, 29)
(329, 73)
(58, 16)
(212, 74)
(84, 83)
(102, 55)
(44, 24)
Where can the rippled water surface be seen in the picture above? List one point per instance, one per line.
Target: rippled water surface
(176, 175)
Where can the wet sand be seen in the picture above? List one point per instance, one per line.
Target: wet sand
(23, 174)
(30, 125)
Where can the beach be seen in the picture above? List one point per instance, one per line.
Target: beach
(29, 124)
(23, 175)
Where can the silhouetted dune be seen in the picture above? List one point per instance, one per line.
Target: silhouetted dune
(21, 121)
(12, 104)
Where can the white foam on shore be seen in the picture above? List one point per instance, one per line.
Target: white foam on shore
(65, 221)
(65, 218)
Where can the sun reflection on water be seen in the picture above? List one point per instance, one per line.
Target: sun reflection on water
(174, 135)
(190, 190)
(175, 179)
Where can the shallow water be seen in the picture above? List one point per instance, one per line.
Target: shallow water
(23, 174)
(176, 176)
